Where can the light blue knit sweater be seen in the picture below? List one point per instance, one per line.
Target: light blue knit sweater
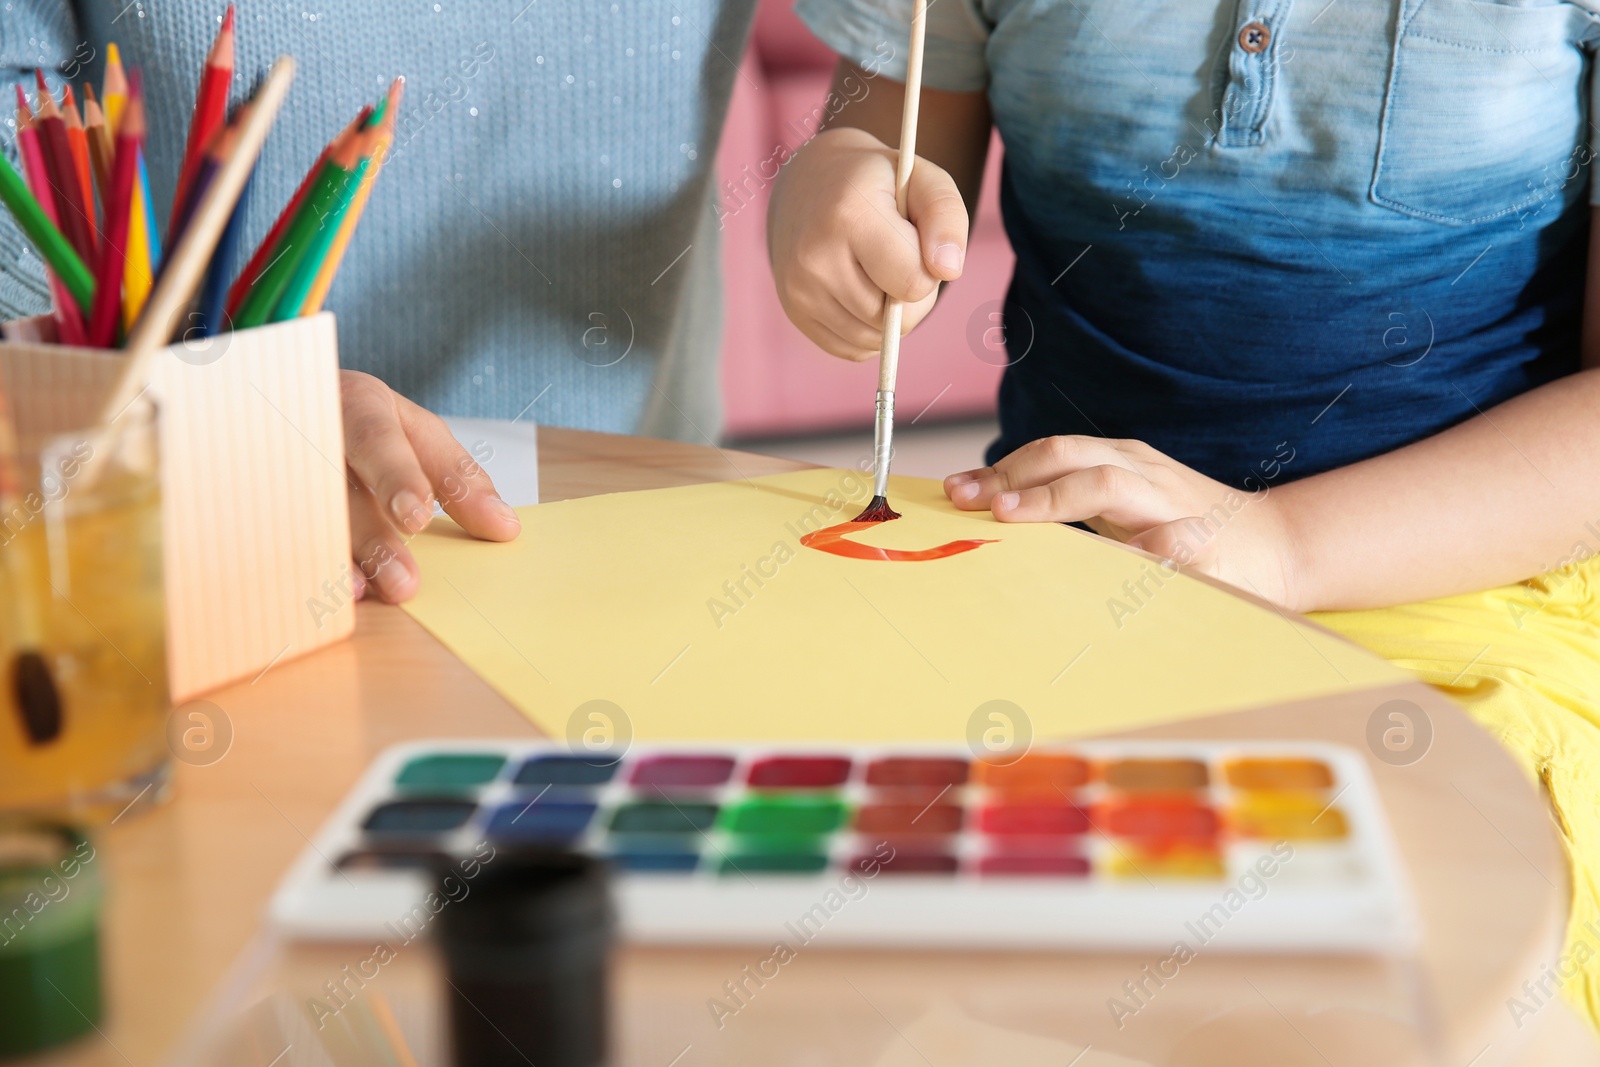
(539, 243)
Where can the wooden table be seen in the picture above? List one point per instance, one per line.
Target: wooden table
(190, 879)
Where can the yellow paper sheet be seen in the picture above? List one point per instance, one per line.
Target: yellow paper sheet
(697, 611)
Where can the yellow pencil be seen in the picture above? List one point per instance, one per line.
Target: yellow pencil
(341, 240)
(137, 273)
(114, 89)
(137, 277)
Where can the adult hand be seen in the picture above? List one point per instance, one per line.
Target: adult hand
(1130, 491)
(838, 243)
(401, 458)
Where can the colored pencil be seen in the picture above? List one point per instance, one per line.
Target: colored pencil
(189, 258)
(145, 254)
(336, 173)
(78, 142)
(144, 250)
(212, 160)
(114, 87)
(69, 320)
(101, 149)
(149, 210)
(125, 171)
(304, 278)
(75, 221)
(214, 291)
(55, 249)
(210, 112)
(265, 250)
(341, 242)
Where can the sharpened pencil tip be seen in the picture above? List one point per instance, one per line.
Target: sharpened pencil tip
(38, 76)
(227, 20)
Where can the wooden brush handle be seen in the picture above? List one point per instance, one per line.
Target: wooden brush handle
(894, 310)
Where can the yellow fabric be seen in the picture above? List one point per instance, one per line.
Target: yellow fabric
(1524, 659)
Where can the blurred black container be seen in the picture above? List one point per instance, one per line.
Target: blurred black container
(528, 950)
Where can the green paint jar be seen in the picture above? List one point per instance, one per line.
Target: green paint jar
(51, 894)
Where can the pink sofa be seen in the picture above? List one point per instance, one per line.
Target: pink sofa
(774, 380)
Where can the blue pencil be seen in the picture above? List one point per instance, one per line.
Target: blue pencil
(214, 293)
(150, 216)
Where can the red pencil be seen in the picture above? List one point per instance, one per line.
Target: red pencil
(76, 222)
(210, 112)
(78, 143)
(263, 253)
(69, 320)
(113, 256)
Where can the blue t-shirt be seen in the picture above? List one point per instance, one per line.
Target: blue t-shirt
(1276, 239)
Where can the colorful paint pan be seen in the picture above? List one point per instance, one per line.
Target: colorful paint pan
(1294, 774)
(1157, 775)
(551, 770)
(1036, 772)
(798, 772)
(681, 771)
(1163, 863)
(543, 821)
(1065, 865)
(1287, 817)
(418, 818)
(921, 771)
(791, 816)
(1094, 845)
(662, 817)
(1159, 818)
(1036, 818)
(881, 819)
(449, 772)
(906, 861)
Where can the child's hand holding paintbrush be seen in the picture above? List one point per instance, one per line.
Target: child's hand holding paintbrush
(861, 238)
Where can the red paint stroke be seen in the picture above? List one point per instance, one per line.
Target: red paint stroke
(836, 539)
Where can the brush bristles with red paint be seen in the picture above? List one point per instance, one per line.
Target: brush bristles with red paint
(877, 511)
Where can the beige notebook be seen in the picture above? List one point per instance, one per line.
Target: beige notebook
(255, 517)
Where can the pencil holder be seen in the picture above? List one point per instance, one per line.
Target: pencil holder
(255, 521)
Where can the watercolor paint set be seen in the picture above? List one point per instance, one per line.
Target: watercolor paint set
(1256, 846)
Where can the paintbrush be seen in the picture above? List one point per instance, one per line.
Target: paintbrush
(893, 311)
(33, 686)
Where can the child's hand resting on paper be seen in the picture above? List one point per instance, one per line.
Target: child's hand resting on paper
(401, 458)
(1129, 491)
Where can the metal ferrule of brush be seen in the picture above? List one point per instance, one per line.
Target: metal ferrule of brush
(882, 443)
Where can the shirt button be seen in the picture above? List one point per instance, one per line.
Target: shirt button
(1255, 37)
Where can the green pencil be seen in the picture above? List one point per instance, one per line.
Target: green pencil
(293, 247)
(60, 255)
(305, 275)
